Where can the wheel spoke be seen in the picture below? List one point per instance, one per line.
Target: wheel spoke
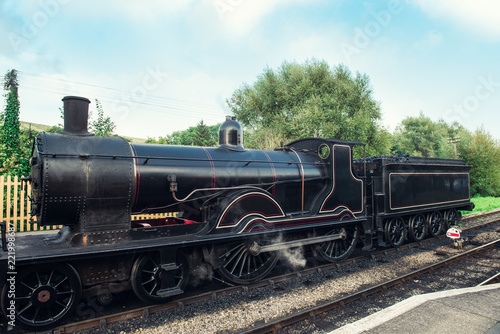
(395, 232)
(50, 277)
(238, 265)
(338, 247)
(36, 314)
(59, 293)
(29, 287)
(237, 262)
(25, 308)
(435, 222)
(148, 281)
(153, 289)
(63, 280)
(47, 294)
(329, 248)
(22, 298)
(243, 264)
(38, 278)
(49, 311)
(335, 250)
(155, 265)
(417, 227)
(234, 253)
(61, 304)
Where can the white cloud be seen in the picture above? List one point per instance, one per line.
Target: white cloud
(6, 63)
(242, 16)
(141, 11)
(482, 16)
(431, 39)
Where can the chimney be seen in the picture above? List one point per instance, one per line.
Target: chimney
(76, 114)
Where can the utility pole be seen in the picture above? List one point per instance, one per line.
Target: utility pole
(454, 141)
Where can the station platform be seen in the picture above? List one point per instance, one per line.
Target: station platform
(470, 310)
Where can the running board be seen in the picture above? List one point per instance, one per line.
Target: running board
(256, 249)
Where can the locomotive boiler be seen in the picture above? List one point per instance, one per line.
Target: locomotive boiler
(236, 210)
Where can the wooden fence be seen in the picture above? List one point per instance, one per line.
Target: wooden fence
(15, 207)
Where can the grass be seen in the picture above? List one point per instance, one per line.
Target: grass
(484, 204)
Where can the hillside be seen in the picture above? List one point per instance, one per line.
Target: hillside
(43, 127)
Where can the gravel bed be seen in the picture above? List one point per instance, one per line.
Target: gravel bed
(238, 311)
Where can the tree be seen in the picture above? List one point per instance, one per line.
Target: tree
(102, 126)
(202, 135)
(420, 136)
(482, 151)
(184, 137)
(309, 100)
(199, 135)
(161, 140)
(12, 160)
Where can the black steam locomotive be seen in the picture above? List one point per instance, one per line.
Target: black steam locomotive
(237, 209)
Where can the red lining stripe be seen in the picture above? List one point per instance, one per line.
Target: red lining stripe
(137, 177)
(212, 167)
(273, 192)
(280, 214)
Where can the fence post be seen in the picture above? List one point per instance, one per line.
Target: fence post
(8, 216)
(4, 199)
(15, 214)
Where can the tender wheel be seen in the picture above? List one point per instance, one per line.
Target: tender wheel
(337, 250)
(451, 218)
(395, 232)
(44, 295)
(238, 265)
(146, 276)
(435, 223)
(417, 227)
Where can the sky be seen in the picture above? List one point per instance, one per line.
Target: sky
(161, 66)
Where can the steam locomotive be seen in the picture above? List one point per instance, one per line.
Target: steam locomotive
(237, 209)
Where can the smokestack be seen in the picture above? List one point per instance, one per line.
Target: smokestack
(76, 115)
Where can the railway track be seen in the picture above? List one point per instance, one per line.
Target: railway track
(278, 324)
(475, 221)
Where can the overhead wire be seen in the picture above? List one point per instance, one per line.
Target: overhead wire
(34, 76)
(120, 102)
(120, 97)
(148, 107)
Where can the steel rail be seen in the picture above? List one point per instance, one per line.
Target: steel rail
(333, 305)
(493, 279)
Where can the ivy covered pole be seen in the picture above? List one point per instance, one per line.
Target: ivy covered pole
(11, 127)
(10, 135)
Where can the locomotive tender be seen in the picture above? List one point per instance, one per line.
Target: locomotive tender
(237, 209)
